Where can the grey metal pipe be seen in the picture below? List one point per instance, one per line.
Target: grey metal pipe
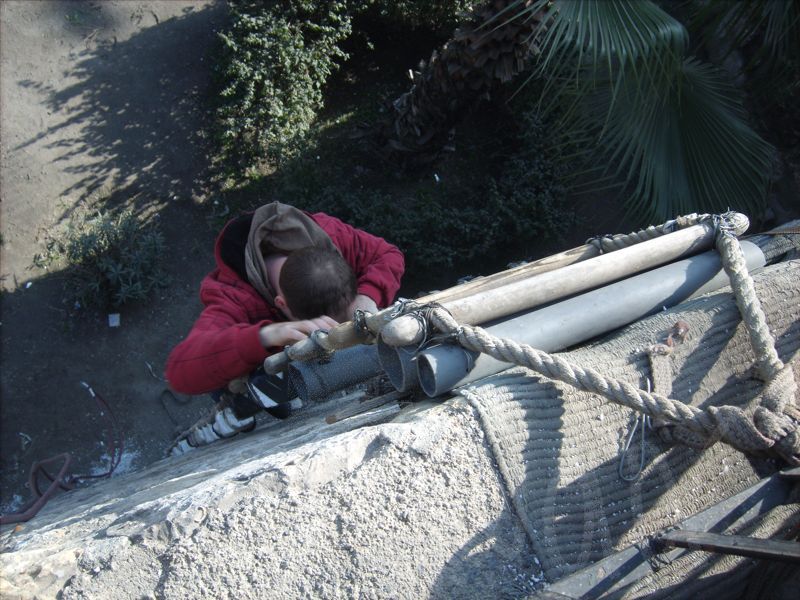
(317, 379)
(439, 366)
(583, 317)
(399, 365)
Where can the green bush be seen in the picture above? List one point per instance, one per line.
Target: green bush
(527, 198)
(437, 15)
(109, 261)
(461, 224)
(275, 60)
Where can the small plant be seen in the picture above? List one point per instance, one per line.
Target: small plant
(109, 260)
(275, 60)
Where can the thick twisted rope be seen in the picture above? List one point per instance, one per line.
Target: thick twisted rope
(772, 426)
(609, 243)
(588, 379)
(744, 290)
(698, 428)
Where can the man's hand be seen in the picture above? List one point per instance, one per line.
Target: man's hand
(289, 332)
(364, 303)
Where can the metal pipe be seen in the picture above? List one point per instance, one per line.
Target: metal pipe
(588, 315)
(317, 379)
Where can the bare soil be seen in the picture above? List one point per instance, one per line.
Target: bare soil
(102, 106)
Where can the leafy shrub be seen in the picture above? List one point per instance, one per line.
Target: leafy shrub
(433, 14)
(109, 261)
(275, 60)
(449, 225)
(527, 197)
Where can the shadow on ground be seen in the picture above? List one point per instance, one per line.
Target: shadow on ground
(132, 130)
(134, 119)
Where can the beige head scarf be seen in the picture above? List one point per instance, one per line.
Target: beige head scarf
(278, 229)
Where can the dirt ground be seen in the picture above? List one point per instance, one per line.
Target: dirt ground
(102, 103)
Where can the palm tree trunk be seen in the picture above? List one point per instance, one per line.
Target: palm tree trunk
(489, 49)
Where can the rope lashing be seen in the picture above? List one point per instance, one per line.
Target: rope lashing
(618, 241)
(771, 427)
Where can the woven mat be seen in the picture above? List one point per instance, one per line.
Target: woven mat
(559, 449)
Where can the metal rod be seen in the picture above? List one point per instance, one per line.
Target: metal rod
(738, 545)
(791, 474)
(358, 408)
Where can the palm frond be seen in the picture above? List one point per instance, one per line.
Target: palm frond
(682, 147)
(613, 35)
(773, 25)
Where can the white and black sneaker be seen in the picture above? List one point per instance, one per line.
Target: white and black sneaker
(235, 413)
(222, 422)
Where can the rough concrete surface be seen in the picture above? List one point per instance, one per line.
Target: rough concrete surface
(334, 513)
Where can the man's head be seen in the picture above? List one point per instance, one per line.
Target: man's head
(315, 282)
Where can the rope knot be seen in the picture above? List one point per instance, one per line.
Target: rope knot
(738, 429)
(360, 326)
(765, 430)
(782, 430)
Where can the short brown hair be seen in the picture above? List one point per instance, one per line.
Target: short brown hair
(316, 282)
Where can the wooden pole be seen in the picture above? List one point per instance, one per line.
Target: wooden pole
(517, 289)
(523, 294)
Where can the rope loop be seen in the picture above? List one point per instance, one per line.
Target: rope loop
(404, 306)
(360, 324)
(610, 242)
(316, 351)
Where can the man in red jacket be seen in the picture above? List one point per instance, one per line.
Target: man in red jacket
(281, 274)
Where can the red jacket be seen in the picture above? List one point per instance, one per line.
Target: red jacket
(224, 344)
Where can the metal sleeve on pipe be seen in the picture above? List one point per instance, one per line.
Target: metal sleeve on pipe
(588, 315)
(317, 380)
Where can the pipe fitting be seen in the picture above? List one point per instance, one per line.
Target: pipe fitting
(399, 365)
(440, 367)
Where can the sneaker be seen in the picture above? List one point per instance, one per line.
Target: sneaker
(221, 423)
(235, 412)
(273, 393)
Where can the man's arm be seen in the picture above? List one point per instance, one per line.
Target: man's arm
(223, 344)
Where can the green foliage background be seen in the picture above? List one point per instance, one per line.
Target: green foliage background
(667, 132)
